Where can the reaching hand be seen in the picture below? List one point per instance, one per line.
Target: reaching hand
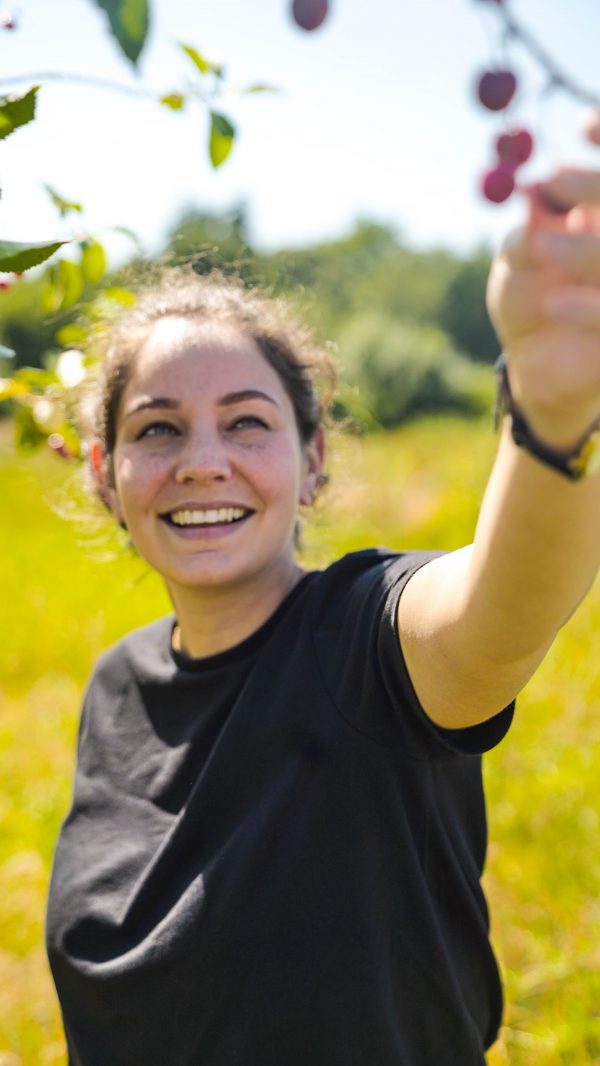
(544, 301)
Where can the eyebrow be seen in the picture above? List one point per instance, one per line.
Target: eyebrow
(152, 402)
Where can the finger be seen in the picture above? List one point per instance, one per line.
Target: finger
(545, 211)
(584, 219)
(566, 189)
(576, 305)
(578, 253)
(520, 252)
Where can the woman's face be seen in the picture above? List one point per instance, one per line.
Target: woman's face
(208, 466)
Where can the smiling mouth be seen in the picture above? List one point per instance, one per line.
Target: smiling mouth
(184, 519)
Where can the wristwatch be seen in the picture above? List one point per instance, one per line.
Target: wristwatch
(581, 461)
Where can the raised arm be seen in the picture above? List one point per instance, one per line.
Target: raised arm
(475, 624)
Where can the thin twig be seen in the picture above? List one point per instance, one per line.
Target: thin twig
(99, 83)
(84, 79)
(557, 77)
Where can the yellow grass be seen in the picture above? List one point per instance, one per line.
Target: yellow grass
(418, 487)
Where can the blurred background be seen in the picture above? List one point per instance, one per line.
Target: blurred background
(353, 190)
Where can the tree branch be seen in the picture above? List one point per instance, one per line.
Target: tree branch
(556, 76)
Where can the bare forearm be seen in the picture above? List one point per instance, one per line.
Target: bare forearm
(475, 624)
(535, 554)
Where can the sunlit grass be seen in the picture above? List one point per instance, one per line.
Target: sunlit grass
(64, 602)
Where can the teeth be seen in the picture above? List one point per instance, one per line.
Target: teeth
(207, 518)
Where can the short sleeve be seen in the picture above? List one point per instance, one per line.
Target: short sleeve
(362, 663)
(473, 740)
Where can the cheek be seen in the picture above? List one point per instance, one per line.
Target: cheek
(135, 482)
(279, 470)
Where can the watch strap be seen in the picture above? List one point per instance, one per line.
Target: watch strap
(582, 460)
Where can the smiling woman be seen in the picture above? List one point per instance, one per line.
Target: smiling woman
(274, 850)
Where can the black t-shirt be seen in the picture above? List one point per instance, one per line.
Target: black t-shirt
(273, 856)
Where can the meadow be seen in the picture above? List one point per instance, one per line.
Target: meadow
(70, 588)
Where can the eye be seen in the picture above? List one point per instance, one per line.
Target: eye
(157, 429)
(249, 422)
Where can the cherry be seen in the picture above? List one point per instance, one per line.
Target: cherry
(498, 184)
(4, 285)
(309, 14)
(8, 22)
(496, 89)
(515, 147)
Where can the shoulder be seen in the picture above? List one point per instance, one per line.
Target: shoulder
(367, 576)
(142, 655)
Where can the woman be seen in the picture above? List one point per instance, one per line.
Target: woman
(277, 832)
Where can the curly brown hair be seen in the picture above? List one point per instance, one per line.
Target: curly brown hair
(288, 345)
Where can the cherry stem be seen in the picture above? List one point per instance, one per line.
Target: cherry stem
(557, 77)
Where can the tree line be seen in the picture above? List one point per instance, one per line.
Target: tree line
(409, 327)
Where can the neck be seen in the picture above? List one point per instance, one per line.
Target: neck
(212, 620)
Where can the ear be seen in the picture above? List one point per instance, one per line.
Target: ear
(314, 458)
(100, 466)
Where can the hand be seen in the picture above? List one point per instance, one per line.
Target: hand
(544, 302)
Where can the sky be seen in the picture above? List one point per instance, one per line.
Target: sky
(376, 119)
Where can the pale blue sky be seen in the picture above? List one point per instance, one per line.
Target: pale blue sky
(377, 118)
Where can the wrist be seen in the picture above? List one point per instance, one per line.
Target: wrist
(569, 442)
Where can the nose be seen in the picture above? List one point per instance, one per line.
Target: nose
(203, 458)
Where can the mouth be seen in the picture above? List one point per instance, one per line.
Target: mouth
(209, 518)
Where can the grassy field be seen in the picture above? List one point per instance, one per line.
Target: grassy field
(70, 589)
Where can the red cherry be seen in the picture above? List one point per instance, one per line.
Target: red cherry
(496, 89)
(4, 285)
(498, 184)
(514, 147)
(309, 14)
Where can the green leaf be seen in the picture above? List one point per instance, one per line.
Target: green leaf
(222, 134)
(173, 100)
(29, 436)
(70, 281)
(259, 87)
(129, 22)
(120, 296)
(222, 125)
(16, 256)
(93, 261)
(35, 379)
(126, 232)
(9, 389)
(16, 111)
(71, 335)
(63, 285)
(62, 205)
(201, 63)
